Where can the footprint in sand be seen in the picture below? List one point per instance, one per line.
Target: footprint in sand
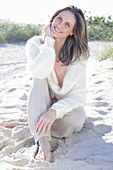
(99, 104)
(9, 107)
(27, 85)
(101, 90)
(102, 129)
(102, 112)
(98, 82)
(24, 97)
(94, 74)
(109, 109)
(98, 98)
(11, 90)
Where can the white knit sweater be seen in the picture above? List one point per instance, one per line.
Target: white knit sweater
(41, 60)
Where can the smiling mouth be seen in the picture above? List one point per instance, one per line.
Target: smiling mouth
(57, 30)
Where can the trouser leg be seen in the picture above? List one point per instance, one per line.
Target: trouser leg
(71, 122)
(38, 103)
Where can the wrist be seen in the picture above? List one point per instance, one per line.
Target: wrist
(53, 111)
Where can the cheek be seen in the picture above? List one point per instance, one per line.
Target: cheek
(67, 31)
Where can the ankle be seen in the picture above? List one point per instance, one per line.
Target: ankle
(42, 139)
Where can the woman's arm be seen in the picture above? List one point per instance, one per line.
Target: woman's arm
(41, 58)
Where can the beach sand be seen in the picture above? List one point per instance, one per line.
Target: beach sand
(90, 149)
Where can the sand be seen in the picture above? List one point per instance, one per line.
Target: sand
(90, 149)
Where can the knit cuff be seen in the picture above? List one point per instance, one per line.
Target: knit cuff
(49, 41)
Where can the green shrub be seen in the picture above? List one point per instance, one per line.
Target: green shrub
(100, 32)
(108, 53)
(100, 28)
(12, 32)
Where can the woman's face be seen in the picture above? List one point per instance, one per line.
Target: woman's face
(63, 24)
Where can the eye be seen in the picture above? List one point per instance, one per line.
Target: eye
(68, 24)
(59, 18)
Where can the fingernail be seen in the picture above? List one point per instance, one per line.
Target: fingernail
(37, 120)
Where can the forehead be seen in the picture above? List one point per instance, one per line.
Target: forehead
(68, 16)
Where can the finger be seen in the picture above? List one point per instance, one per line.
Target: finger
(48, 128)
(37, 120)
(40, 127)
(44, 128)
(40, 119)
(38, 124)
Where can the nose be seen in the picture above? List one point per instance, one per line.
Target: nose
(60, 24)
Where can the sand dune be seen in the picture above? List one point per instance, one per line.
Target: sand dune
(92, 148)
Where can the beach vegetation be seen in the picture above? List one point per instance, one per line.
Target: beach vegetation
(100, 28)
(14, 32)
(107, 53)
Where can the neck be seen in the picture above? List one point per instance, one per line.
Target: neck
(58, 45)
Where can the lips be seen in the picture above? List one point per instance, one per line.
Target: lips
(57, 30)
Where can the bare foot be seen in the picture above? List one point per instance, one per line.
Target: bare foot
(14, 124)
(44, 150)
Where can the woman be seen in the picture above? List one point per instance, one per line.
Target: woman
(57, 99)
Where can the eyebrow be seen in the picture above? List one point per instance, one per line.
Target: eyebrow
(67, 21)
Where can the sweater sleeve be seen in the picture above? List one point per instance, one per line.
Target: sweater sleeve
(40, 58)
(74, 99)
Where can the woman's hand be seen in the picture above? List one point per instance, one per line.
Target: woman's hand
(48, 31)
(45, 122)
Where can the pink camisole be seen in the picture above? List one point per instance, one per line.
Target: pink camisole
(60, 71)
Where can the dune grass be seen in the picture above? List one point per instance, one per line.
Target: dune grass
(13, 32)
(108, 53)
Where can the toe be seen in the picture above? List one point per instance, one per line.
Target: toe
(10, 124)
(40, 157)
(48, 157)
(7, 125)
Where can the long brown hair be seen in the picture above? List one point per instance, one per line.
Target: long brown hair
(77, 44)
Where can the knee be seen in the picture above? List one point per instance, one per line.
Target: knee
(61, 129)
(80, 116)
(64, 127)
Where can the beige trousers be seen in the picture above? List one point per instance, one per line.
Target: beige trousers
(40, 101)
